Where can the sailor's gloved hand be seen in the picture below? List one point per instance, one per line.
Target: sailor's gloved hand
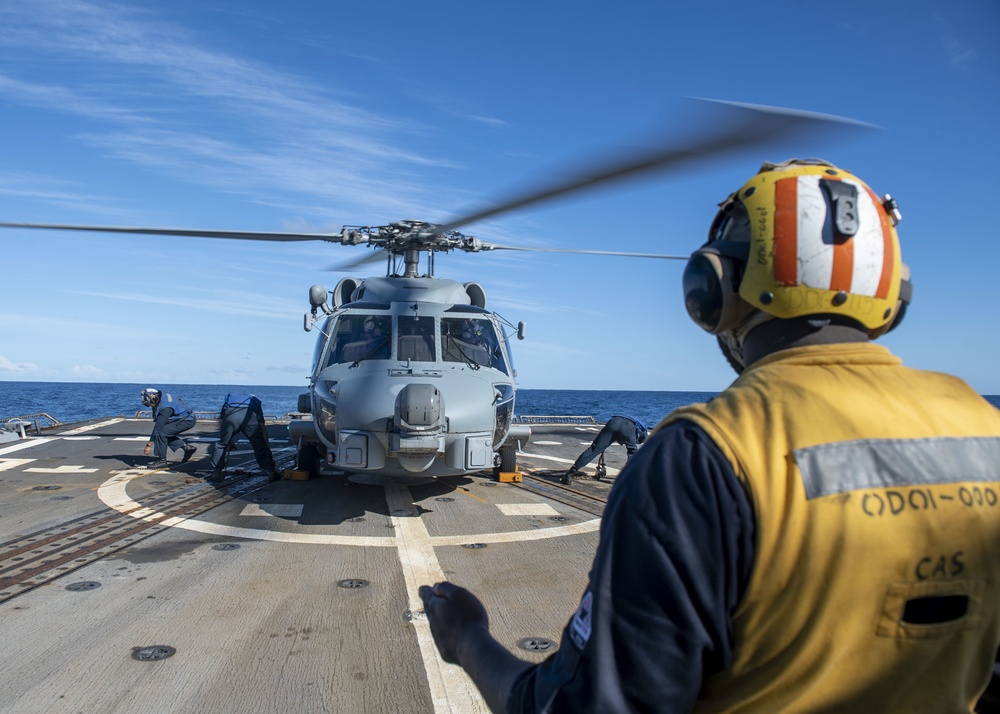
(454, 614)
(149, 446)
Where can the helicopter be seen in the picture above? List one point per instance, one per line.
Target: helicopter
(412, 375)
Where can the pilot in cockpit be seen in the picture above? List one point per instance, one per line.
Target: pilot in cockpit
(373, 329)
(472, 334)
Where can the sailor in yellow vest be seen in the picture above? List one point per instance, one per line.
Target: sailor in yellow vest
(824, 535)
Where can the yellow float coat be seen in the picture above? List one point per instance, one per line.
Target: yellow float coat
(875, 490)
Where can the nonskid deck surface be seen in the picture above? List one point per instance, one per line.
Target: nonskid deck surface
(124, 588)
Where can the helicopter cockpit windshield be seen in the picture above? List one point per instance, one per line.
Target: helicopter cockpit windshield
(473, 341)
(360, 337)
(416, 339)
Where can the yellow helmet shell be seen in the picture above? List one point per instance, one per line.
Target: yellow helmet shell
(811, 254)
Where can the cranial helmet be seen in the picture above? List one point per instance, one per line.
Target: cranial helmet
(799, 239)
(151, 397)
(471, 330)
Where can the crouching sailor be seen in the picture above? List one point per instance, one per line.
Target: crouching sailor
(242, 414)
(171, 417)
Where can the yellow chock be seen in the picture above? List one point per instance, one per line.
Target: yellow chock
(295, 475)
(510, 476)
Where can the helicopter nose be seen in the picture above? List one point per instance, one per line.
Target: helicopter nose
(418, 426)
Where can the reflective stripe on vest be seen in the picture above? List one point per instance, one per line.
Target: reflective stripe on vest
(886, 463)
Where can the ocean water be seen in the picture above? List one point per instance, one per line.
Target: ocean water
(73, 401)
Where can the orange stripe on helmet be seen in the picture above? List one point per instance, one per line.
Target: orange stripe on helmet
(786, 221)
(885, 280)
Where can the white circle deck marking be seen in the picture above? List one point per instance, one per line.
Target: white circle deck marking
(451, 690)
(113, 493)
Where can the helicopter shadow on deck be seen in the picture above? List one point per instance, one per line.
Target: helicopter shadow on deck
(333, 499)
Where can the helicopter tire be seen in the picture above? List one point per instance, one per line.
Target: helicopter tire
(508, 458)
(308, 459)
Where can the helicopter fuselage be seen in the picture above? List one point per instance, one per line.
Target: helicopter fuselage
(411, 376)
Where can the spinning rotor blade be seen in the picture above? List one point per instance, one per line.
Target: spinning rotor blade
(757, 124)
(590, 252)
(193, 232)
(351, 265)
(748, 125)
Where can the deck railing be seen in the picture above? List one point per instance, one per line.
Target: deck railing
(34, 422)
(557, 419)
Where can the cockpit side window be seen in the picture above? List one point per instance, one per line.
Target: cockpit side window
(321, 341)
(472, 341)
(359, 337)
(416, 339)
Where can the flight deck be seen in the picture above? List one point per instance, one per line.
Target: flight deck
(125, 588)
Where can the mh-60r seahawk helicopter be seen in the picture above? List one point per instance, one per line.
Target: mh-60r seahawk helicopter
(412, 375)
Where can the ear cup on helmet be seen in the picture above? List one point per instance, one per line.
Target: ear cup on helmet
(905, 296)
(711, 285)
(150, 397)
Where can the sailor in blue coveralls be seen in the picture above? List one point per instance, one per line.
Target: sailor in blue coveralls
(172, 417)
(242, 414)
(619, 430)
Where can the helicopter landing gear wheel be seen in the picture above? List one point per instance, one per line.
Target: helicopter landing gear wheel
(508, 458)
(504, 461)
(308, 459)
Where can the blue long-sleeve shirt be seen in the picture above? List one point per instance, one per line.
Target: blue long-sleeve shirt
(675, 553)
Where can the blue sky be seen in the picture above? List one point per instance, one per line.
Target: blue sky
(307, 116)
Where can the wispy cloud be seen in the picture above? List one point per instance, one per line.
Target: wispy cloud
(87, 371)
(9, 366)
(490, 121)
(235, 306)
(958, 53)
(50, 191)
(154, 95)
(63, 99)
